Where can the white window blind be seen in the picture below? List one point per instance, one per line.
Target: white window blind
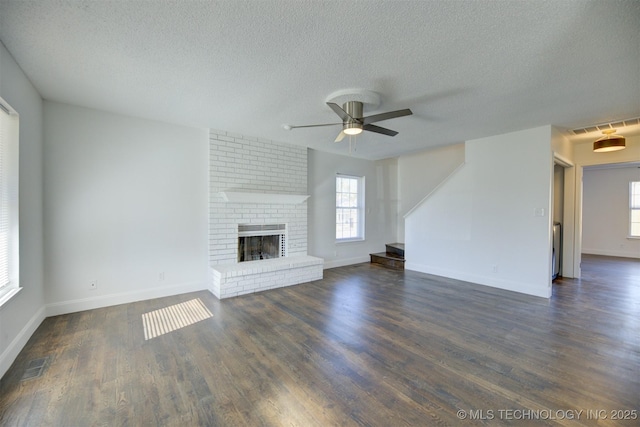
(634, 205)
(8, 199)
(4, 205)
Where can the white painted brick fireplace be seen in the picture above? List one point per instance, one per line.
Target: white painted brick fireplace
(256, 181)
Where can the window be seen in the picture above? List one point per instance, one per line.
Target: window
(8, 202)
(349, 208)
(634, 209)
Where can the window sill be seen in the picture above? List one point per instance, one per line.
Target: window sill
(355, 240)
(633, 237)
(7, 295)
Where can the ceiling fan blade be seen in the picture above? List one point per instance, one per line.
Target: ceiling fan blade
(378, 129)
(340, 112)
(311, 126)
(340, 136)
(387, 116)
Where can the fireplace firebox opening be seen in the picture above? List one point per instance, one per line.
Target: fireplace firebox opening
(261, 241)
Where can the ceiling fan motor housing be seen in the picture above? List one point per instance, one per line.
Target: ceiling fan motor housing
(353, 109)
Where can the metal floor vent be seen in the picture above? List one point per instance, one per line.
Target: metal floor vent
(36, 368)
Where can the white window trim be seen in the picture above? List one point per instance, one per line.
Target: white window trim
(632, 208)
(7, 293)
(10, 165)
(361, 209)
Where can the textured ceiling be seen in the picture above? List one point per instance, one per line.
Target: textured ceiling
(466, 69)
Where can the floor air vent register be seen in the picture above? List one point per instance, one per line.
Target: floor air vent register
(35, 368)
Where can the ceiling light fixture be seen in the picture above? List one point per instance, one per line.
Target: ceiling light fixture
(609, 142)
(352, 128)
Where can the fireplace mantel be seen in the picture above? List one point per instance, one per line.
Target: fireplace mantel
(270, 198)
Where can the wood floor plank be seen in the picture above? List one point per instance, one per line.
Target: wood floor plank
(364, 346)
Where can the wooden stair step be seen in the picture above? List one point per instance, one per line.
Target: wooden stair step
(395, 248)
(388, 259)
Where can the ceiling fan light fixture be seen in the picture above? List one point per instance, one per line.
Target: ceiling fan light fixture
(609, 142)
(352, 129)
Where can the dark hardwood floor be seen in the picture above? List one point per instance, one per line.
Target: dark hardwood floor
(364, 346)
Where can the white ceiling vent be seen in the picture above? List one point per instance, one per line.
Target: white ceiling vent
(604, 126)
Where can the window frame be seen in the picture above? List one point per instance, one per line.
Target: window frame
(9, 201)
(634, 206)
(360, 207)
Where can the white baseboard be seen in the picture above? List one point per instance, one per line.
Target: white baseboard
(73, 306)
(9, 355)
(15, 347)
(508, 285)
(346, 261)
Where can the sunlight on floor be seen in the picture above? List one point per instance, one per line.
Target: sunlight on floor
(168, 319)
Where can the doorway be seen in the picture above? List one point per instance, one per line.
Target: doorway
(606, 210)
(563, 212)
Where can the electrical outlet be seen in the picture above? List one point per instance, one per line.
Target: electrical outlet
(161, 276)
(494, 268)
(93, 285)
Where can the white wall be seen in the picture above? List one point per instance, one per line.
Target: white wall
(585, 156)
(20, 317)
(561, 145)
(480, 225)
(126, 201)
(381, 207)
(420, 173)
(605, 215)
